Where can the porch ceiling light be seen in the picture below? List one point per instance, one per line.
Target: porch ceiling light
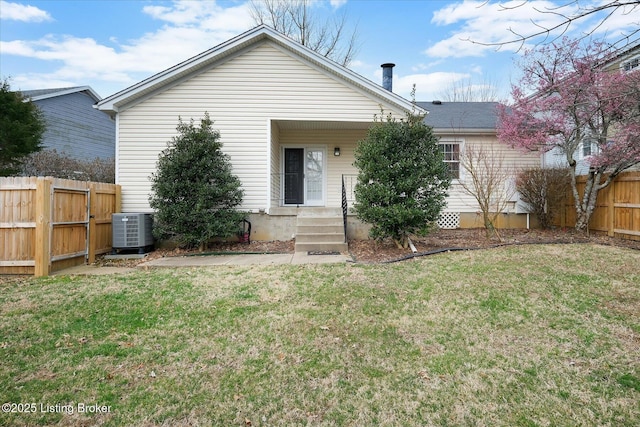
(336, 151)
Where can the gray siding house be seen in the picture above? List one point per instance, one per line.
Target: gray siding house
(74, 127)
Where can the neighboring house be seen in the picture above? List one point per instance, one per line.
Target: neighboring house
(625, 62)
(289, 118)
(74, 127)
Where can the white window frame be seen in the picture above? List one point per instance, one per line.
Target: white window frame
(587, 147)
(460, 143)
(630, 64)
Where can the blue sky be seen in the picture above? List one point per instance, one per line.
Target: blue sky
(110, 45)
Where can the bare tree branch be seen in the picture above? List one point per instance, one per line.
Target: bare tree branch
(466, 91)
(487, 180)
(296, 19)
(566, 21)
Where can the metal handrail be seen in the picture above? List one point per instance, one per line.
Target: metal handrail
(349, 182)
(345, 209)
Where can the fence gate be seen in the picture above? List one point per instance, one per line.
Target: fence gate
(69, 227)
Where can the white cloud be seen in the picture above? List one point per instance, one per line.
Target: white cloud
(192, 27)
(423, 67)
(183, 12)
(336, 4)
(428, 86)
(618, 24)
(19, 12)
(481, 26)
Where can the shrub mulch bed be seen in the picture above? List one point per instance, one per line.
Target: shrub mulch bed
(371, 251)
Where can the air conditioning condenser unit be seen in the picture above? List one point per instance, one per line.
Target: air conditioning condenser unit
(132, 231)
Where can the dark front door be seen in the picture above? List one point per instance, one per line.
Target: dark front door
(294, 176)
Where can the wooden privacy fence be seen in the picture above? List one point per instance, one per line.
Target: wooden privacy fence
(617, 209)
(47, 224)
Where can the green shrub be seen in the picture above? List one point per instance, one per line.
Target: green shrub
(402, 179)
(194, 193)
(21, 129)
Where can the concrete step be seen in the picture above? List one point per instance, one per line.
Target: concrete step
(320, 212)
(320, 230)
(310, 220)
(336, 228)
(320, 237)
(321, 247)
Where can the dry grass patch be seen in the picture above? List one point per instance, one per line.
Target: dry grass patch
(526, 335)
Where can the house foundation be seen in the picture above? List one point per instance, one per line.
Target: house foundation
(283, 224)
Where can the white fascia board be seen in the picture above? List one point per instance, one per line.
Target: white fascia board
(87, 89)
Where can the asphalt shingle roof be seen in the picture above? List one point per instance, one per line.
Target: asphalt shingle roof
(40, 92)
(461, 115)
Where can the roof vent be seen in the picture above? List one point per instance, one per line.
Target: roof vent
(436, 102)
(387, 76)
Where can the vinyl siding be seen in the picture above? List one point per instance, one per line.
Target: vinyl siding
(461, 201)
(274, 174)
(77, 129)
(241, 95)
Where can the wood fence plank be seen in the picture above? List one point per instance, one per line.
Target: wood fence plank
(611, 209)
(91, 256)
(43, 228)
(37, 237)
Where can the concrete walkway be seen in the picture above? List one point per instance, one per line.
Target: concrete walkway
(211, 260)
(251, 259)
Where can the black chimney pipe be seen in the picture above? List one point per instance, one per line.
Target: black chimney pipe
(387, 76)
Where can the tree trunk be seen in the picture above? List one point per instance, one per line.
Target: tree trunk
(490, 227)
(586, 206)
(401, 243)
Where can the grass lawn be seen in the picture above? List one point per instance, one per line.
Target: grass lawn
(515, 336)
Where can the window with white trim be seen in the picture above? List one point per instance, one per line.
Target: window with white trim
(586, 147)
(451, 151)
(631, 64)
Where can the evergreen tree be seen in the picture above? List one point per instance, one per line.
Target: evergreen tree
(402, 179)
(21, 129)
(195, 194)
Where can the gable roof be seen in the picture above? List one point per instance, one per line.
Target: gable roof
(38, 94)
(209, 58)
(479, 117)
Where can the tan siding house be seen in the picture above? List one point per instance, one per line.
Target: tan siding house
(473, 124)
(289, 119)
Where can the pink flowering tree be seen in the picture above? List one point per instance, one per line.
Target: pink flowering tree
(568, 94)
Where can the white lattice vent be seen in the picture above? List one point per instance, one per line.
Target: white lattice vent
(449, 220)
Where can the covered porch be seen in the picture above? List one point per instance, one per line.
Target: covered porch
(308, 160)
(307, 163)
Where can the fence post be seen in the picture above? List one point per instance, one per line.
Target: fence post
(91, 255)
(43, 228)
(611, 208)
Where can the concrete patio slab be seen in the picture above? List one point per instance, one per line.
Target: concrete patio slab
(211, 260)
